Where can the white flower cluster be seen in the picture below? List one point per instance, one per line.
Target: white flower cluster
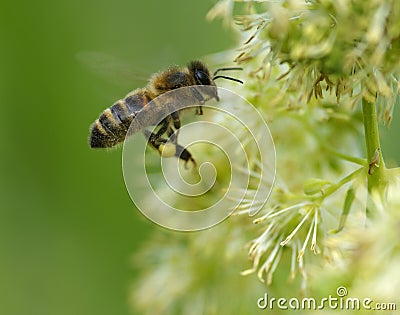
(307, 66)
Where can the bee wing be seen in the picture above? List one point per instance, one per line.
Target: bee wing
(113, 69)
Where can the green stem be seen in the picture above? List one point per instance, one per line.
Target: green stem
(353, 159)
(376, 173)
(334, 187)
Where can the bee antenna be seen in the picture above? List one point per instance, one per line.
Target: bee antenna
(227, 78)
(224, 69)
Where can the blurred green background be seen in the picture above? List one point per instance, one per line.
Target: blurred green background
(67, 226)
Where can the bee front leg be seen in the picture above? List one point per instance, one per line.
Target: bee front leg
(200, 99)
(199, 110)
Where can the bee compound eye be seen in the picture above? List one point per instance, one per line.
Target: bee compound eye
(202, 77)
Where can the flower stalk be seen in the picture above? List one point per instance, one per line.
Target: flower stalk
(376, 171)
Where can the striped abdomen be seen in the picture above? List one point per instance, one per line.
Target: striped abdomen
(113, 124)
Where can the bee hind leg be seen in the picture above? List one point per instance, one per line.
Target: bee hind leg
(167, 148)
(173, 135)
(184, 155)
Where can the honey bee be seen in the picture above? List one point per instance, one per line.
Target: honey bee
(112, 126)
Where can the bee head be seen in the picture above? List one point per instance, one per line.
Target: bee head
(201, 76)
(200, 73)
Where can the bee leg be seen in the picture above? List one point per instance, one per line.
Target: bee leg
(199, 110)
(176, 120)
(200, 99)
(163, 147)
(177, 124)
(165, 126)
(184, 155)
(153, 138)
(172, 135)
(168, 149)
